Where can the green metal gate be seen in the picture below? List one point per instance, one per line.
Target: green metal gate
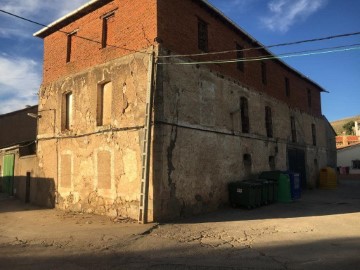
(8, 174)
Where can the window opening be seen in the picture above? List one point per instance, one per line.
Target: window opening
(104, 104)
(244, 110)
(105, 29)
(313, 131)
(293, 129)
(68, 111)
(239, 55)
(263, 73)
(69, 49)
(203, 35)
(268, 122)
(309, 98)
(287, 87)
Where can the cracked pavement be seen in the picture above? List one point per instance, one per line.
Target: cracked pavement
(320, 231)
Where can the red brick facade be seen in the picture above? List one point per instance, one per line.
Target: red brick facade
(135, 30)
(178, 21)
(174, 23)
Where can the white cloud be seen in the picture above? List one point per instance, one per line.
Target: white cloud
(238, 6)
(35, 7)
(34, 10)
(19, 82)
(285, 13)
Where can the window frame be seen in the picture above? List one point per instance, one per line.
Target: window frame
(355, 164)
(68, 110)
(101, 103)
(105, 27)
(69, 45)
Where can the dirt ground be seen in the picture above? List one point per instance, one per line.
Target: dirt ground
(320, 231)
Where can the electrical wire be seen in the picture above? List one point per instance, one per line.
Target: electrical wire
(263, 47)
(280, 56)
(68, 33)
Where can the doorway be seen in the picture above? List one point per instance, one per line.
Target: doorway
(8, 174)
(296, 161)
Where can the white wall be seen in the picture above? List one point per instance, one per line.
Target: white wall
(346, 155)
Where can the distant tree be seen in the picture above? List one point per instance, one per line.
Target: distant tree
(349, 128)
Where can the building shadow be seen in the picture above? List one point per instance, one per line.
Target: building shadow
(29, 193)
(344, 199)
(339, 253)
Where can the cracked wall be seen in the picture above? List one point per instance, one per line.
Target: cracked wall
(199, 146)
(97, 168)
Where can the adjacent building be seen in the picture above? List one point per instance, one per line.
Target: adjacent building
(348, 159)
(19, 174)
(138, 118)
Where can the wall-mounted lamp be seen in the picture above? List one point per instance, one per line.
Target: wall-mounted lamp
(34, 115)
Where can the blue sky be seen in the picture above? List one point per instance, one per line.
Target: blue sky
(269, 21)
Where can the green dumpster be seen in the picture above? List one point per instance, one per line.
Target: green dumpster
(272, 191)
(244, 194)
(257, 189)
(282, 184)
(265, 192)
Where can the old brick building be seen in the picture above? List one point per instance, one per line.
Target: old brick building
(134, 124)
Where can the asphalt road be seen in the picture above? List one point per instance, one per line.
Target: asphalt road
(320, 231)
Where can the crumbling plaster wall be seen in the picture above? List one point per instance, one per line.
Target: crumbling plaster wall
(82, 158)
(198, 144)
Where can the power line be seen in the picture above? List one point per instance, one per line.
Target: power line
(68, 33)
(280, 56)
(265, 47)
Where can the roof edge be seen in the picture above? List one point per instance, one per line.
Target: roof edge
(231, 22)
(79, 12)
(19, 111)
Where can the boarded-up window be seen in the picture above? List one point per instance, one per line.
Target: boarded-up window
(104, 169)
(203, 35)
(67, 113)
(65, 173)
(268, 122)
(108, 30)
(293, 129)
(104, 104)
(244, 111)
